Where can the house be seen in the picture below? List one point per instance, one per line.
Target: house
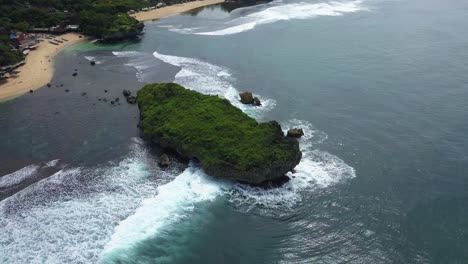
(72, 27)
(40, 30)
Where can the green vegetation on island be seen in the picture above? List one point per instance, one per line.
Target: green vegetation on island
(227, 142)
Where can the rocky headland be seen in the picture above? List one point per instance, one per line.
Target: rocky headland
(228, 143)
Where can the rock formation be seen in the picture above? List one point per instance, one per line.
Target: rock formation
(228, 143)
(295, 132)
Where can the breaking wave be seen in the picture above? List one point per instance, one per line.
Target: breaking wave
(174, 202)
(277, 13)
(317, 169)
(212, 79)
(69, 217)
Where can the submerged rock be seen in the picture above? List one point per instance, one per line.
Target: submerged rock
(228, 143)
(246, 98)
(131, 99)
(164, 161)
(92, 63)
(295, 132)
(75, 74)
(126, 93)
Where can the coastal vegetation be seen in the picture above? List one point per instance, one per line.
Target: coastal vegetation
(103, 19)
(9, 56)
(227, 142)
(98, 18)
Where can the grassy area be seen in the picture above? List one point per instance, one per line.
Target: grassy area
(210, 129)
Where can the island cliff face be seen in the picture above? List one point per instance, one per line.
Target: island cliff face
(228, 143)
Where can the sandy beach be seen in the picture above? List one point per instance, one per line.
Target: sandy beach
(38, 69)
(173, 10)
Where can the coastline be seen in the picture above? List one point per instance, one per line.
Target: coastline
(38, 69)
(172, 10)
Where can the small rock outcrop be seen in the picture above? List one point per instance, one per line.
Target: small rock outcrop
(131, 99)
(92, 63)
(295, 132)
(75, 74)
(126, 93)
(164, 161)
(256, 101)
(246, 98)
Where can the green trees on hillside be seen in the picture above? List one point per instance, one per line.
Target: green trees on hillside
(9, 56)
(107, 25)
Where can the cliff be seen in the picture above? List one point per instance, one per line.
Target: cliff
(228, 143)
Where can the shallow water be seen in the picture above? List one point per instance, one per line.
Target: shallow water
(380, 88)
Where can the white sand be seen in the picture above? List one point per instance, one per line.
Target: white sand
(173, 10)
(38, 70)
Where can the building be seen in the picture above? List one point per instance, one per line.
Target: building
(72, 28)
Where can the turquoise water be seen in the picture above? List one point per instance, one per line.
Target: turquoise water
(380, 88)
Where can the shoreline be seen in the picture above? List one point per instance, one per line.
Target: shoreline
(38, 69)
(172, 10)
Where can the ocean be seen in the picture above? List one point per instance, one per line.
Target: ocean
(380, 88)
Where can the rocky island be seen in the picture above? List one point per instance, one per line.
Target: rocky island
(228, 143)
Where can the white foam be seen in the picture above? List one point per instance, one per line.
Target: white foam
(52, 163)
(212, 79)
(281, 13)
(92, 58)
(70, 216)
(139, 60)
(18, 176)
(25, 173)
(174, 201)
(183, 30)
(317, 169)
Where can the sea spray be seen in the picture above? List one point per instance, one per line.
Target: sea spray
(317, 169)
(77, 208)
(174, 202)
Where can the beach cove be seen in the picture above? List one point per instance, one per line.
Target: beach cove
(38, 69)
